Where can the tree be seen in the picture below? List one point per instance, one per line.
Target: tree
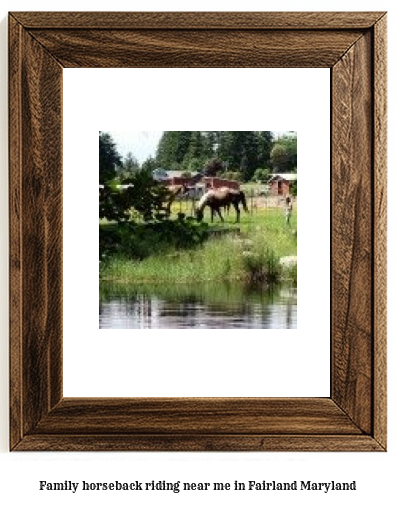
(194, 165)
(109, 158)
(214, 166)
(265, 144)
(196, 154)
(239, 151)
(184, 142)
(261, 174)
(129, 167)
(226, 149)
(149, 165)
(211, 138)
(173, 147)
(249, 159)
(284, 154)
(167, 148)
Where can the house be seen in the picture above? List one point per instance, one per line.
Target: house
(280, 184)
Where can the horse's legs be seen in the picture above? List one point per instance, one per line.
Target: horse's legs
(237, 212)
(220, 214)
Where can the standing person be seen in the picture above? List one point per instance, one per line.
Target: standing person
(288, 209)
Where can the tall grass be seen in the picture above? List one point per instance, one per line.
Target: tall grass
(206, 262)
(249, 251)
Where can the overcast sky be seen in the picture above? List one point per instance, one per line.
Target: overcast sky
(141, 143)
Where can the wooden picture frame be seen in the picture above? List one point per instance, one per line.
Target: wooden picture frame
(353, 46)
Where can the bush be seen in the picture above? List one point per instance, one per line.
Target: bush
(138, 241)
(261, 175)
(262, 267)
(139, 193)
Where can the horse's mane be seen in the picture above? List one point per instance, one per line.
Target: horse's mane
(204, 198)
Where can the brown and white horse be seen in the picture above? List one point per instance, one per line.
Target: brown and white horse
(222, 198)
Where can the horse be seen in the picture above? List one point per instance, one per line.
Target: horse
(222, 189)
(217, 199)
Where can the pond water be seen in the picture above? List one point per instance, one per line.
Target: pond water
(201, 306)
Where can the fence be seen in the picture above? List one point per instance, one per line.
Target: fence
(186, 204)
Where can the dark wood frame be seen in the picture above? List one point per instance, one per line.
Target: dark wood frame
(353, 46)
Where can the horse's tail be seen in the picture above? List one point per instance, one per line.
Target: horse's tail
(244, 201)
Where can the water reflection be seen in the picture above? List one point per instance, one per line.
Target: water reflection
(202, 306)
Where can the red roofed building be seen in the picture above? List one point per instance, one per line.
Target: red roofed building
(280, 184)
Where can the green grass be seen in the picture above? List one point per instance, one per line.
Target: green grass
(204, 263)
(251, 253)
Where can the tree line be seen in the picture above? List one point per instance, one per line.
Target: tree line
(241, 155)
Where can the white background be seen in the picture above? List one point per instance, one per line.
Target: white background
(20, 473)
(210, 362)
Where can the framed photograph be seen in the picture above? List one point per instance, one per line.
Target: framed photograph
(353, 47)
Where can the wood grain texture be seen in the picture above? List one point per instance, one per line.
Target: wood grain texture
(302, 416)
(352, 233)
(380, 230)
(355, 417)
(36, 187)
(202, 20)
(199, 443)
(196, 48)
(15, 227)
